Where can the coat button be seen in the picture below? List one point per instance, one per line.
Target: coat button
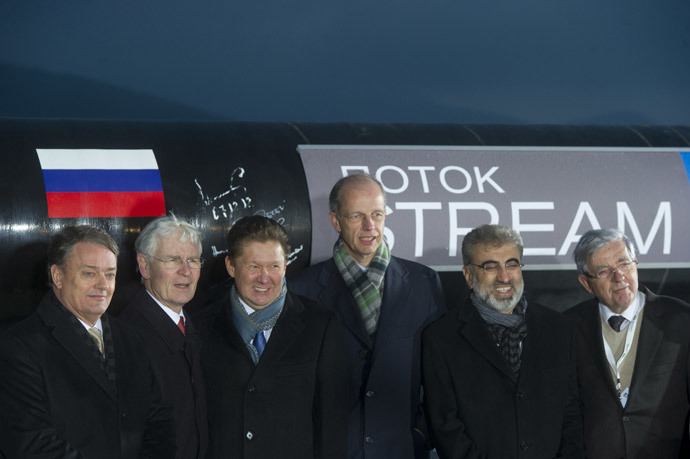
(370, 393)
(524, 445)
(363, 353)
(251, 388)
(368, 440)
(520, 395)
(626, 418)
(249, 435)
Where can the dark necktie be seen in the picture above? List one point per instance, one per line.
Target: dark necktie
(260, 342)
(616, 322)
(180, 325)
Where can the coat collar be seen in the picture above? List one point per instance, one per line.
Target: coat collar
(165, 328)
(64, 333)
(651, 334)
(289, 325)
(473, 328)
(396, 290)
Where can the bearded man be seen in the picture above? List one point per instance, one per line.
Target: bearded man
(499, 373)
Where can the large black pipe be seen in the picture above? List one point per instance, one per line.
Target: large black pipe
(215, 173)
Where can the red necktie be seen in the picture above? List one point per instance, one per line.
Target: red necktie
(180, 325)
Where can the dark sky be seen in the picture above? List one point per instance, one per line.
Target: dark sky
(459, 61)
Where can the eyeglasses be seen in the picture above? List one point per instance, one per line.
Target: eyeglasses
(176, 262)
(493, 267)
(358, 217)
(624, 268)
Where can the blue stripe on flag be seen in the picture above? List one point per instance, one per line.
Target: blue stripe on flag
(75, 180)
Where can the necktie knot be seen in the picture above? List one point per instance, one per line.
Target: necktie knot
(180, 325)
(260, 342)
(615, 322)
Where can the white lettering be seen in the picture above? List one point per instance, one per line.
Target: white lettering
(572, 238)
(403, 175)
(486, 178)
(422, 174)
(345, 170)
(444, 182)
(456, 231)
(536, 227)
(419, 208)
(663, 214)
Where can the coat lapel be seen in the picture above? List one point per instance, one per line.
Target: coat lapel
(651, 335)
(334, 292)
(164, 327)
(590, 329)
(474, 330)
(284, 334)
(67, 337)
(396, 291)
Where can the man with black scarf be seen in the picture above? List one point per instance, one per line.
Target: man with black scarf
(499, 371)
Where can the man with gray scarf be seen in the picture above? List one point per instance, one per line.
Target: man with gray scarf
(273, 362)
(499, 372)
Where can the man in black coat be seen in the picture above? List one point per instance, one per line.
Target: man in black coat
(633, 354)
(384, 303)
(273, 362)
(499, 372)
(75, 383)
(169, 261)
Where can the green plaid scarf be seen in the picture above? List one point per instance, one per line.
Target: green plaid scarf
(366, 286)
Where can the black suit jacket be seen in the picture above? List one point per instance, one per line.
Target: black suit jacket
(56, 401)
(654, 421)
(479, 408)
(386, 419)
(292, 403)
(176, 363)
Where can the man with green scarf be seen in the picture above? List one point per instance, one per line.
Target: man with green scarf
(384, 303)
(276, 380)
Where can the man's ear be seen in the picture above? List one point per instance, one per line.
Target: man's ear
(334, 221)
(229, 267)
(467, 272)
(56, 276)
(585, 283)
(143, 262)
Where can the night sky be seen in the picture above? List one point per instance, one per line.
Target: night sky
(495, 61)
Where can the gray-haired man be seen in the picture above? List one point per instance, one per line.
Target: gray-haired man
(632, 352)
(169, 259)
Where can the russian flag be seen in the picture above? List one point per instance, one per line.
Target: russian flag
(101, 183)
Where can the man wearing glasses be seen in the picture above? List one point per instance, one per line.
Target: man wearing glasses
(632, 352)
(499, 372)
(168, 256)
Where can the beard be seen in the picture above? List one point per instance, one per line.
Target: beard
(485, 294)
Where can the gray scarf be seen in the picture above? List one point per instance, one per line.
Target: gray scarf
(248, 325)
(507, 330)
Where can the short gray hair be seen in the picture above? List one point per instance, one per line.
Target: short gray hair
(491, 235)
(334, 198)
(596, 239)
(164, 227)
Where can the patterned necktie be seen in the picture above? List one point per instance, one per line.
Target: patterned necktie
(260, 342)
(616, 322)
(180, 325)
(96, 335)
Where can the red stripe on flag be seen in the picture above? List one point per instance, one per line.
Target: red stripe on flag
(106, 204)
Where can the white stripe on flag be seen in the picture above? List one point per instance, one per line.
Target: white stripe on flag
(96, 159)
